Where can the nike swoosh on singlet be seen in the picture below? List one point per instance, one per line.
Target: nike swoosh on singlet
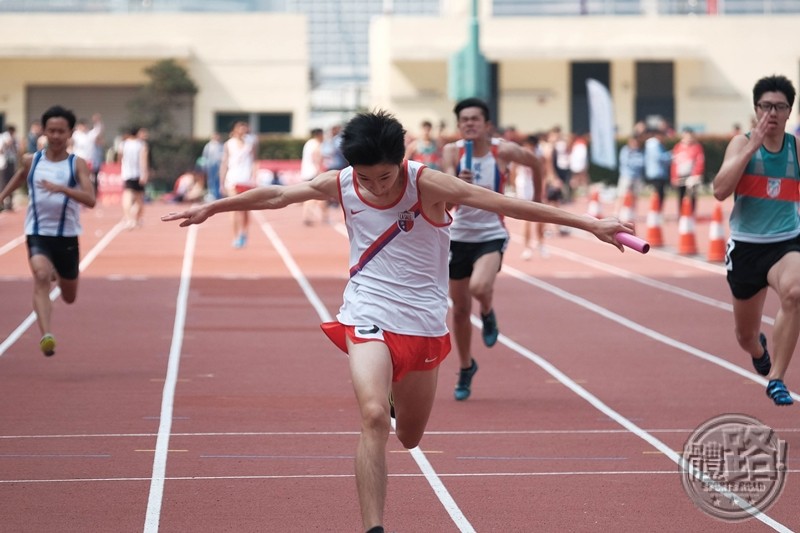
(375, 329)
(431, 360)
(355, 212)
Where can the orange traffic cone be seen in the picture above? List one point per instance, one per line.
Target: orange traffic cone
(716, 236)
(626, 213)
(594, 209)
(687, 245)
(654, 220)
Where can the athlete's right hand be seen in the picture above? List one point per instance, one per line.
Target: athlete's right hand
(194, 215)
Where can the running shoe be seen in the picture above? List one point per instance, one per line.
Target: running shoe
(490, 331)
(48, 344)
(763, 364)
(463, 391)
(778, 392)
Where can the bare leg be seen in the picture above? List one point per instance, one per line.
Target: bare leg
(413, 401)
(138, 208)
(784, 277)
(481, 283)
(747, 322)
(43, 272)
(462, 328)
(127, 207)
(371, 372)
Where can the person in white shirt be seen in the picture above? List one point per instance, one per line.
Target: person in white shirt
(237, 172)
(135, 169)
(58, 184)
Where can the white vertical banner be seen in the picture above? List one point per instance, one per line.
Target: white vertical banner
(601, 125)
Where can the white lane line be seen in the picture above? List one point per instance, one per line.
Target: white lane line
(83, 265)
(467, 433)
(644, 280)
(10, 245)
(638, 328)
(428, 471)
(155, 497)
(568, 473)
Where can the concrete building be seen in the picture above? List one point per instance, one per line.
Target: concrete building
(251, 66)
(286, 71)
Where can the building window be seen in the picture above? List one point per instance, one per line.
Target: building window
(259, 122)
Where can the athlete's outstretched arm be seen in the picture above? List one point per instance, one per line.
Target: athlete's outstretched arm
(322, 187)
(440, 187)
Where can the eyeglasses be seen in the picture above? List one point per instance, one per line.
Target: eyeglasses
(766, 107)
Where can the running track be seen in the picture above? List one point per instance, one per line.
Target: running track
(192, 390)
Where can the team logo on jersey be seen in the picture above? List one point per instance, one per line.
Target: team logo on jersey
(405, 220)
(773, 187)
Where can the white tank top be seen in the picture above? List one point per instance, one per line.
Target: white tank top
(51, 214)
(131, 155)
(476, 225)
(398, 262)
(240, 162)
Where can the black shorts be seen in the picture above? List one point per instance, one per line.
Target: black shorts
(63, 252)
(464, 254)
(748, 264)
(554, 194)
(134, 185)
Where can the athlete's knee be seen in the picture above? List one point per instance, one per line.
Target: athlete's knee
(409, 439)
(68, 298)
(69, 291)
(481, 288)
(375, 419)
(42, 276)
(790, 298)
(746, 337)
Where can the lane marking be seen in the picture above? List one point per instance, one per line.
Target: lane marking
(237, 434)
(168, 451)
(10, 245)
(644, 280)
(156, 494)
(634, 326)
(587, 473)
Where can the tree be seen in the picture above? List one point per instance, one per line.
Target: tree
(170, 89)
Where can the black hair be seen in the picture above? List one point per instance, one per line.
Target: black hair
(373, 138)
(472, 102)
(775, 83)
(59, 112)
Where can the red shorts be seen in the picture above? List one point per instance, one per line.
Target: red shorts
(408, 352)
(243, 187)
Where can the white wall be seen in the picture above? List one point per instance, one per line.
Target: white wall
(717, 60)
(254, 62)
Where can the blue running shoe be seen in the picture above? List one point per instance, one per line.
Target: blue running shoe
(778, 392)
(463, 391)
(490, 331)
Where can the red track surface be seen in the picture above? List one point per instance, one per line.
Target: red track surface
(261, 426)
